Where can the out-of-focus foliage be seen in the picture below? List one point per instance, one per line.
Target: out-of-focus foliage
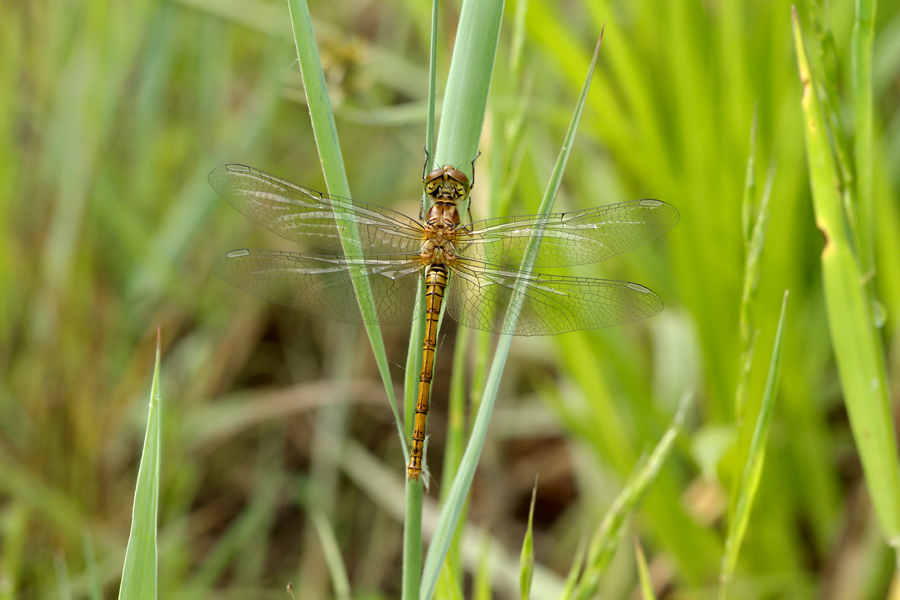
(111, 116)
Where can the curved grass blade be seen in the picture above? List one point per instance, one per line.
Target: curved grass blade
(325, 130)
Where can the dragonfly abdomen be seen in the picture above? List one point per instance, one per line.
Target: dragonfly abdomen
(435, 285)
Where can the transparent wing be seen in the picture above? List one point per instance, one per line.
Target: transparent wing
(479, 295)
(312, 218)
(568, 239)
(323, 285)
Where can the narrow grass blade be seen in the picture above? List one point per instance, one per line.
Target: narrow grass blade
(468, 84)
(643, 572)
(325, 130)
(90, 565)
(63, 583)
(755, 459)
(432, 88)
(609, 533)
(854, 337)
(332, 552)
(575, 570)
(448, 587)
(755, 224)
(457, 433)
(456, 411)
(139, 578)
(526, 557)
(482, 584)
(863, 151)
(749, 221)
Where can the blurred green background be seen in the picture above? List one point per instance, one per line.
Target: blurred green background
(113, 114)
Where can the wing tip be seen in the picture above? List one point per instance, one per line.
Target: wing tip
(674, 215)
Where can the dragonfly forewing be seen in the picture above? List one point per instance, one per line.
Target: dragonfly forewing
(568, 239)
(480, 296)
(322, 285)
(312, 218)
(477, 270)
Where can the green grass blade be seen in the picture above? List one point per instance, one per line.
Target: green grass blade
(609, 533)
(481, 586)
(526, 557)
(450, 588)
(90, 562)
(864, 147)
(854, 337)
(468, 84)
(332, 552)
(63, 582)
(750, 222)
(754, 465)
(457, 433)
(643, 572)
(320, 112)
(432, 87)
(325, 130)
(139, 578)
(575, 570)
(755, 225)
(232, 554)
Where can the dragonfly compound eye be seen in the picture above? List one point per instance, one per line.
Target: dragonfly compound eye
(458, 176)
(434, 175)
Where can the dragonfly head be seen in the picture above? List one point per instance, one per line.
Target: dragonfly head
(447, 183)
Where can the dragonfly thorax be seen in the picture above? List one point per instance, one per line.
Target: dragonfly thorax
(441, 225)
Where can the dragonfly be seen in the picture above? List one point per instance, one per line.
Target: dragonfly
(475, 269)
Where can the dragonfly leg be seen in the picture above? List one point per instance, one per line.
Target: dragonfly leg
(427, 161)
(469, 205)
